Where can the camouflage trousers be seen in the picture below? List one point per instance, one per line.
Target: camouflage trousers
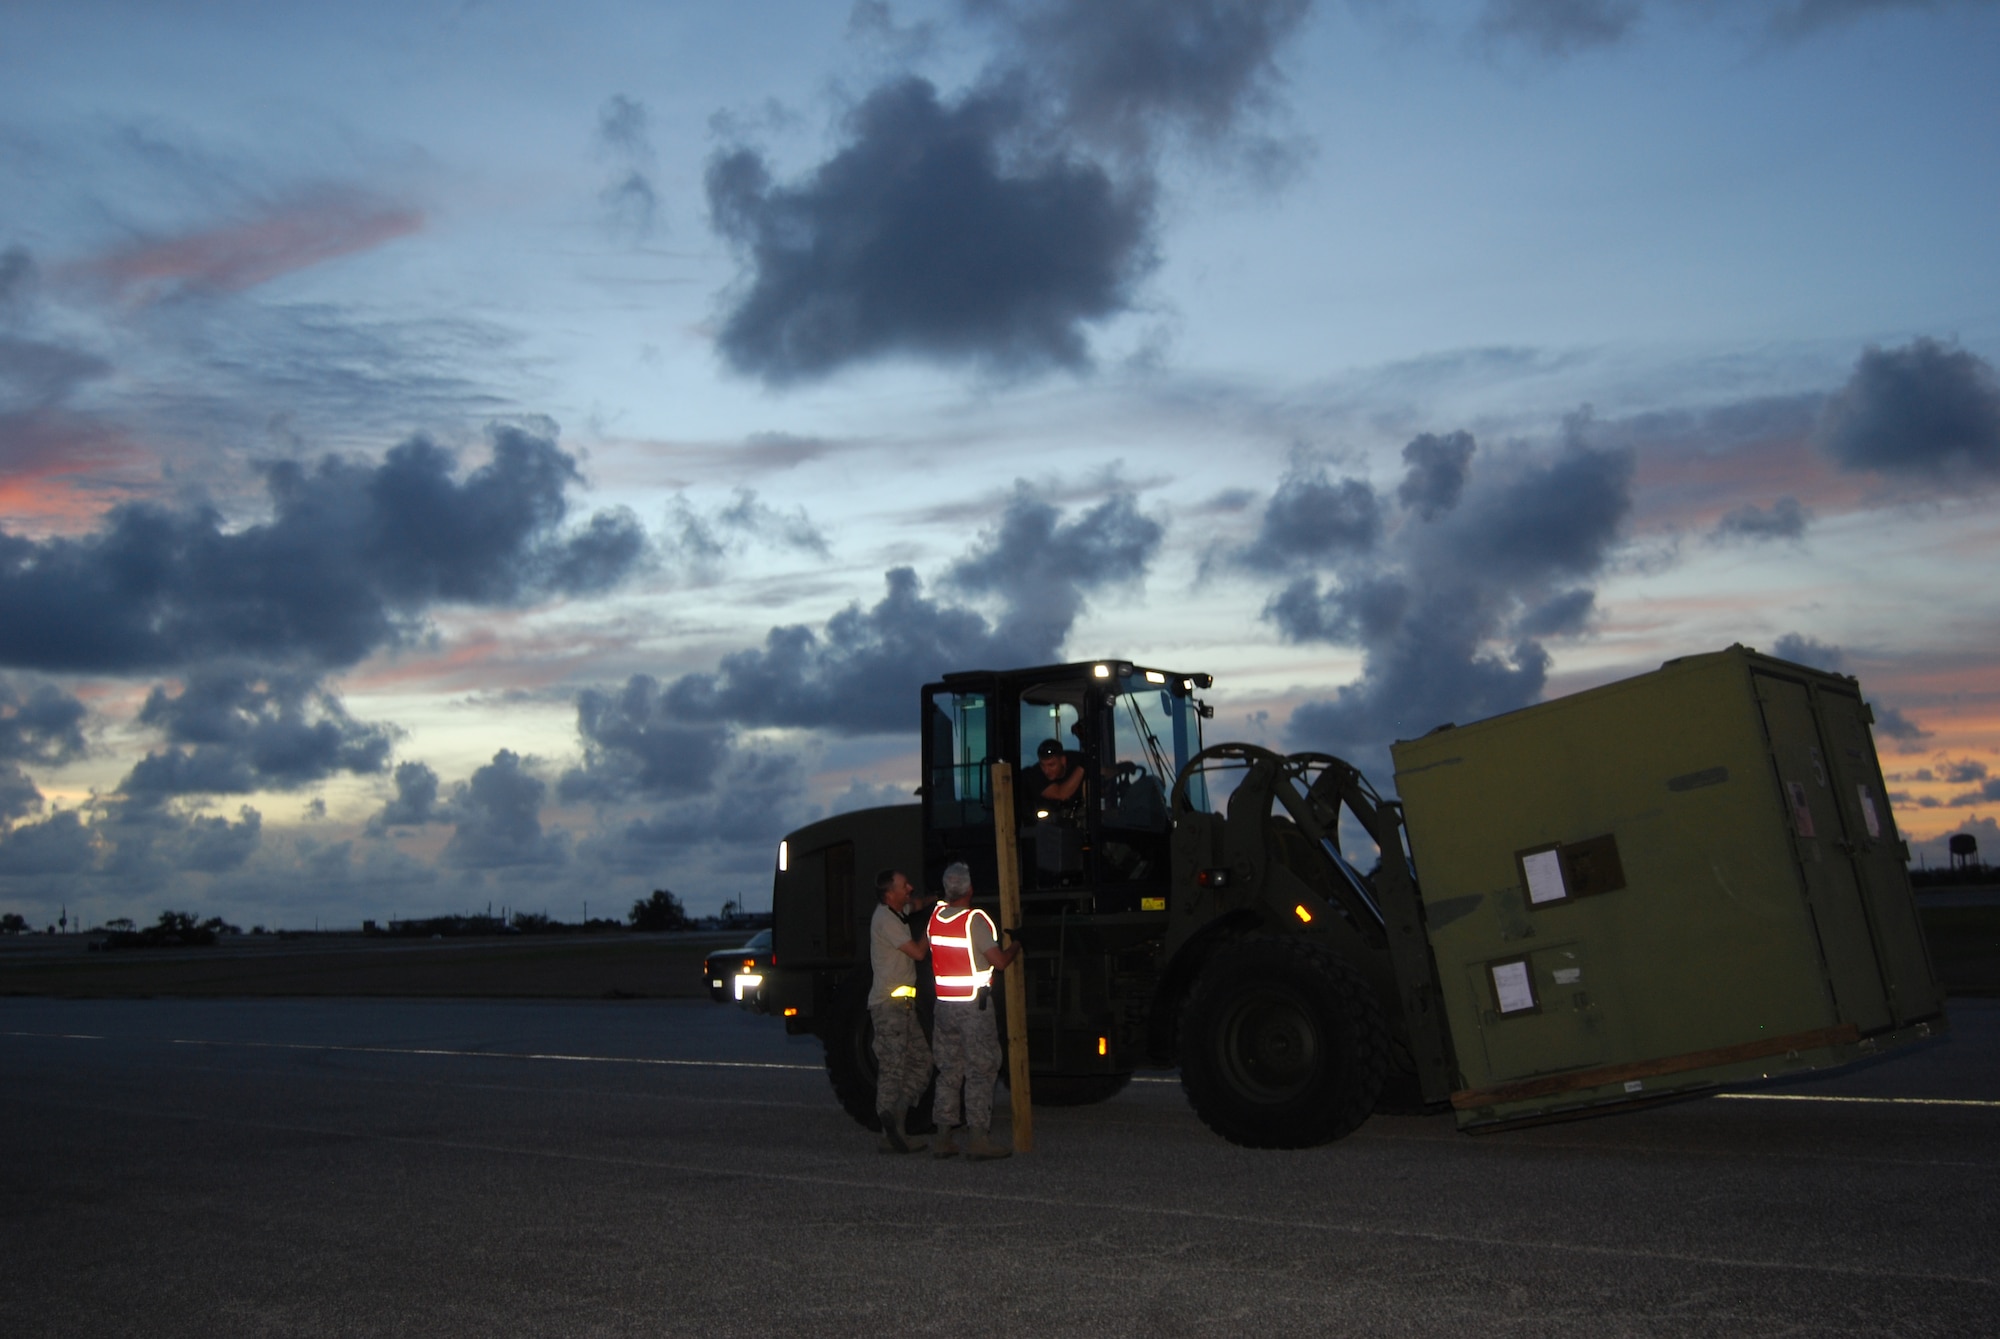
(967, 1044)
(902, 1058)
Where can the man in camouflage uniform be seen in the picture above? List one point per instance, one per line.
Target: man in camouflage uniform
(966, 1037)
(902, 1058)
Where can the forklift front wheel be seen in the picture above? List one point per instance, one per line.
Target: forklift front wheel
(1282, 1044)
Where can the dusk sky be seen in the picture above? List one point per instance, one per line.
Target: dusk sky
(497, 453)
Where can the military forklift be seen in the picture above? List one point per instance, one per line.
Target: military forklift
(1627, 901)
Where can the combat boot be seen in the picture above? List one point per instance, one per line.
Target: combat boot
(893, 1139)
(942, 1145)
(983, 1149)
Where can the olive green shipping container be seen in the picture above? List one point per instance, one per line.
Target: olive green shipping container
(1683, 880)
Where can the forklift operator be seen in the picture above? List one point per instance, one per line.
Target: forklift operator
(1062, 780)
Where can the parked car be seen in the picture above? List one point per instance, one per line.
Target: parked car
(738, 973)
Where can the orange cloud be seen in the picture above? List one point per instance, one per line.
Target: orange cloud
(65, 469)
(1679, 486)
(291, 237)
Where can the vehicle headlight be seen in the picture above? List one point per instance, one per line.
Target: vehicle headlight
(746, 983)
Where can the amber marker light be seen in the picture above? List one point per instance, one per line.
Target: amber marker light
(791, 1011)
(1103, 1046)
(1301, 912)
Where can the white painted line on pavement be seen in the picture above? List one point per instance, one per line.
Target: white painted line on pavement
(62, 1036)
(1868, 1101)
(491, 1055)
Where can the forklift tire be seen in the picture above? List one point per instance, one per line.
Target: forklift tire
(848, 1038)
(1282, 1044)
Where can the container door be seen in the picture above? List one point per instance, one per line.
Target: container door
(1821, 841)
(1877, 855)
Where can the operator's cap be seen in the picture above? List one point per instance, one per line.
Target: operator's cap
(1048, 748)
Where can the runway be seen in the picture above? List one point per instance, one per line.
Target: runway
(326, 1167)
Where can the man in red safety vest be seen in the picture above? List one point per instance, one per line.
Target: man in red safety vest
(965, 952)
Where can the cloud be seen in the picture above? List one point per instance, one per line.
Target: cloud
(1988, 793)
(697, 541)
(1803, 650)
(1925, 410)
(1434, 473)
(860, 672)
(1560, 27)
(60, 845)
(352, 557)
(1893, 723)
(635, 747)
(932, 234)
(994, 228)
(415, 804)
(231, 731)
(279, 238)
(1799, 18)
(1122, 73)
(498, 818)
(17, 278)
(1962, 772)
(41, 724)
(1311, 520)
(631, 202)
(1784, 519)
(1451, 614)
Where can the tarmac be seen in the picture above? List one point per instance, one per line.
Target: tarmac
(670, 1167)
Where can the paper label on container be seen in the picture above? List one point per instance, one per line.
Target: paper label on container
(1868, 814)
(1545, 877)
(1511, 987)
(1801, 810)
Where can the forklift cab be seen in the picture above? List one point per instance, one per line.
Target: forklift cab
(1125, 731)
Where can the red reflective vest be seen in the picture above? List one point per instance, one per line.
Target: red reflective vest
(960, 976)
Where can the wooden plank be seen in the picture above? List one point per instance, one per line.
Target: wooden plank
(1553, 1084)
(1007, 846)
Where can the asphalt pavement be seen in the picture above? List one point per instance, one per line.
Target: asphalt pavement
(380, 1167)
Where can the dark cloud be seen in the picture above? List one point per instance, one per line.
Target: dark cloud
(1924, 409)
(39, 723)
(1434, 473)
(994, 228)
(636, 749)
(17, 278)
(1783, 519)
(1987, 793)
(861, 671)
(415, 804)
(19, 795)
(352, 557)
(1560, 27)
(1893, 723)
(1312, 521)
(498, 818)
(933, 234)
(1963, 772)
(1123, 72)
(1451, 614)
(233, 731)
(1042, 567)
(1803, 650)
(60, 845)
(216, 845)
